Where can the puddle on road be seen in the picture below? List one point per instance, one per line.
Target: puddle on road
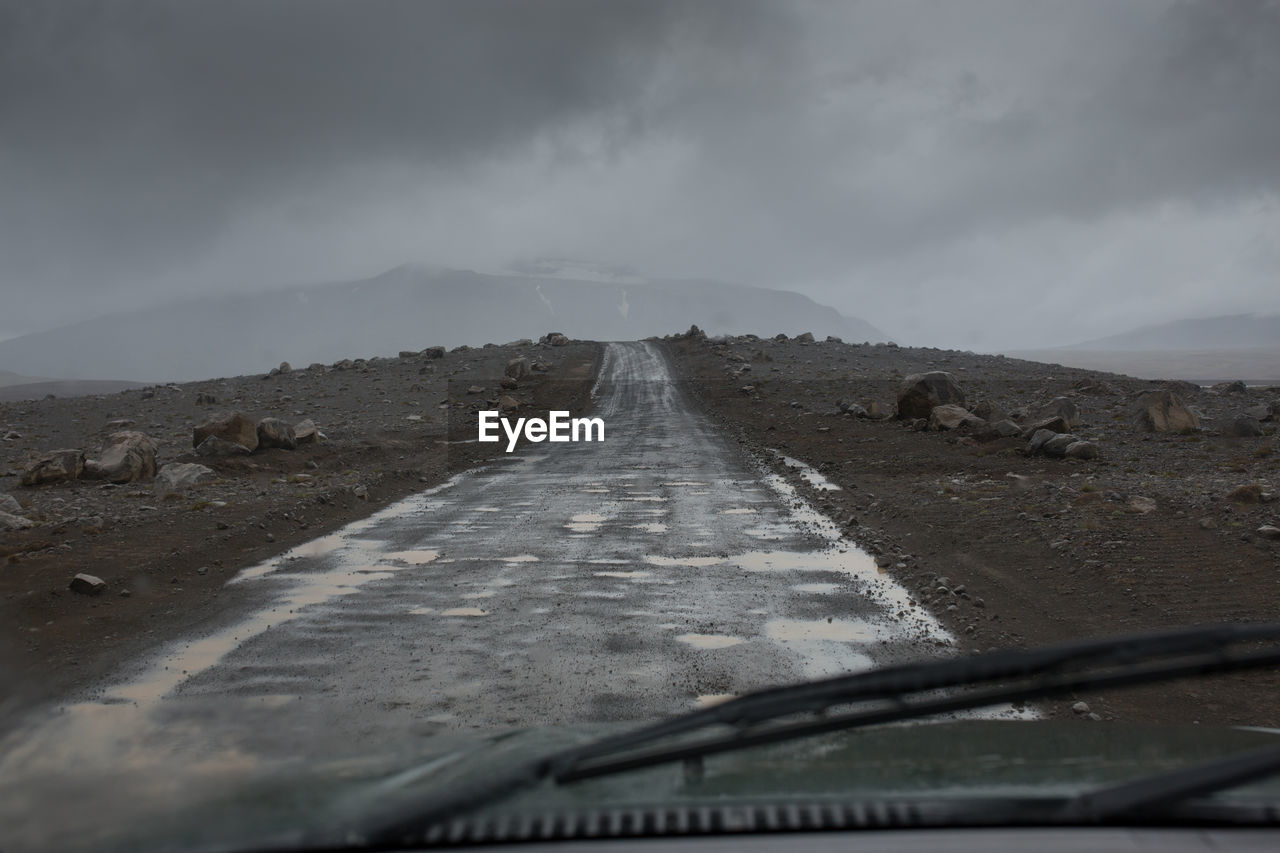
(624, 575)
(684, 483)
(840, 630)
(816, 588)
(594, 491)
(415, 558)
(808, 474)
(710, 700)
(486, 509)
(316, 547)
(422, 611)
(739, 511)
(486, 593)
(520, 558)
(710, 641)
(650, 527)
(585, 522)
(651, 498)
(464, 611)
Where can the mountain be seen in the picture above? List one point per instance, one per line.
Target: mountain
(408, 308)
(1238, 331)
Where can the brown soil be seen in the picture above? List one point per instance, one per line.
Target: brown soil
(392, 427)
(1040, 550)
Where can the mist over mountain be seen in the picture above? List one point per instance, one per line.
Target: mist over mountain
(1238, 331)
(408, 308)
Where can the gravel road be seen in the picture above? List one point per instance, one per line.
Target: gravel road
(565, 583)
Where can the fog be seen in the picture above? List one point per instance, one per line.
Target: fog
(974, 174)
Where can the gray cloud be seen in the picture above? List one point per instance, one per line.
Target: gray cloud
(873, 154)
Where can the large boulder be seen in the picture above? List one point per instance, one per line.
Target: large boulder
(804, 338)
(233, 427)
(179, 475)
(953, 417)
(9, 504)
(12, 521)
(127, 457)
(433, 352)
(518, 368)
(920, 393)
(1055, 423)
(306, 432)
(1244, 426)
(1058, 445)
(1082, 450)
(1162, 411)
(87, 584)
(1059, 407)
(56, 466)
(556, 339)
(1040, 439)
(273, 432)
(989, 411)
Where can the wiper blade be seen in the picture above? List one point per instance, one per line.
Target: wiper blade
(1152, 793)
(902, 692)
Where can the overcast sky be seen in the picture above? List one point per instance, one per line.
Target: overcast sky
(971, 174)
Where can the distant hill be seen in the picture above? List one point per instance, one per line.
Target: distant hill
(407, 308)
(1239, 331)
(63, 388)
(8, 377)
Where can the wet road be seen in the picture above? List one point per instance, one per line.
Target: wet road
(622, 580)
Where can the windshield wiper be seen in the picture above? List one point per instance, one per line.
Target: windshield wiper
(893, 693)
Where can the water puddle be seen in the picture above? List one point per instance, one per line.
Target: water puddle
(740, 511)
(816, 588)
(594, 491)
(520, 558)
(809, 475)
(486, 593)
(317, 547)
(651, 527)
(652, 498)
(839, 630)
(585, 522)
(464, 611)
(684, 483)
(710, 641)
(415, 558)
(624, 575)
(710, 700)
(422, 611)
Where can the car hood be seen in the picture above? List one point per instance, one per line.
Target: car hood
(229, 799)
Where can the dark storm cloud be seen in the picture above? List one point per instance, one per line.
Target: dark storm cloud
(874, 154)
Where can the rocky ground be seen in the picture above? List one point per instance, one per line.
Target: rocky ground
(388, 426)
(1011, 547)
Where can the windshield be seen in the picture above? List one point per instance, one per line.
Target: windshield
(395, 393)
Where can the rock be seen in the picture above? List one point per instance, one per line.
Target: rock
(832, 339)
(1162, 411)
(989, 411)
(1060, 407)
(475, 389)
(206, 399)
(804, 338)
(8, 503)
(921, 392)
(232, 427)
(273, 432)
(285, 367)
(305, 432)
(953, 417)
(1250, 493)
(1006, 428)
(781, 337)
(433, 352)
(851, 408)
(1243, 426)
(1080, 707)
(556, 339)
(1140, 504)
(508, 404)
(127, 457)
(1237, 387)
(878, 411)
(179, 475)
(88, 585)
(56, 466)
(405, 353)
(1268, 531)
(1261, 412)
(1082, 450)
(1056, 447)
(509, 383)
(1038, 440)
(1055, 424)
(214, 446)
(12, 521)
(517, 368)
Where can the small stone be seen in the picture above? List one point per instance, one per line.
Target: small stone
(271, 537)
(87, 584)
(884, 561)
(1080, 707)
(1269, 531)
